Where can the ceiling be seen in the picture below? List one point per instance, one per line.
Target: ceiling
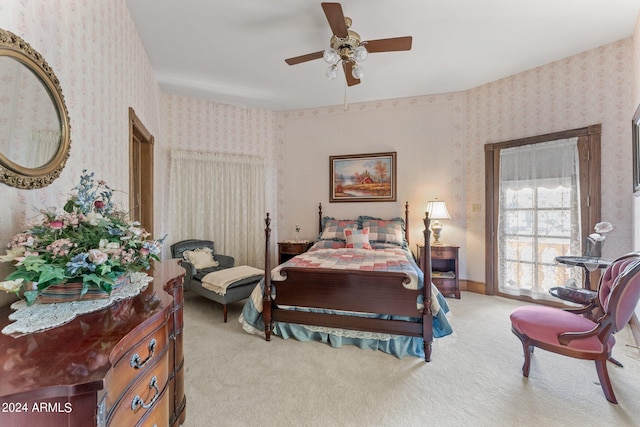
(233, 51)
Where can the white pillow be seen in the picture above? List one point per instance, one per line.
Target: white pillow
(200, 258)
(357, 239)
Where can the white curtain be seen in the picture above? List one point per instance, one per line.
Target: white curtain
(538, 216)
(219, 197)
(47, 143)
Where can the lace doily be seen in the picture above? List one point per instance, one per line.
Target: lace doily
(39, 317)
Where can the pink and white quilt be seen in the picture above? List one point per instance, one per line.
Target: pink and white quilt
(387, 259)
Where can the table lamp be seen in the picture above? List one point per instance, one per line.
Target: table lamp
(437, 210)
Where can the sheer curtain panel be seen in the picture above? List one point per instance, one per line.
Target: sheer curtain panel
(219, 197)
(539, 215)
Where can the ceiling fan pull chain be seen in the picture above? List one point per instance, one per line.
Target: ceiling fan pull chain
(345, 96)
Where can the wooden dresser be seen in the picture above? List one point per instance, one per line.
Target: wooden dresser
(121, 366)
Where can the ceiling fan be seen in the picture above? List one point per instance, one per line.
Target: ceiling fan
(347, 47)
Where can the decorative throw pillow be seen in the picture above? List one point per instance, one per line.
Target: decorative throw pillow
(200, 258)
(357, 239)
(386, 231)
(333, 229)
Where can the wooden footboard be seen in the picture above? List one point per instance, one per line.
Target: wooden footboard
(352, 291)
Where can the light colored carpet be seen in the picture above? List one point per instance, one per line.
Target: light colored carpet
(474, 377)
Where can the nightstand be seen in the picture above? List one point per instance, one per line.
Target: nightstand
(287, 250)
(444, 268)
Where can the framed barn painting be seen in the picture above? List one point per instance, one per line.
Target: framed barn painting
(363, 178)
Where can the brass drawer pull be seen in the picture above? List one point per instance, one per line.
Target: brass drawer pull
(135, 359)
(137, 401)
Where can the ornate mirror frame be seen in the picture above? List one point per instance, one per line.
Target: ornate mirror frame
(25, 176)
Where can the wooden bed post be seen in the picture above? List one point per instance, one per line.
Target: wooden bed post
(266, 299)
(406, 221)
(319, 217)
(427, 315)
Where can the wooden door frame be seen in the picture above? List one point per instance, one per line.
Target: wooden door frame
(137, 130)
(588, 149)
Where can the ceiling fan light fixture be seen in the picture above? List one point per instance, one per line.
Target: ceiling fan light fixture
(357, 71)
(347, 49)
(360, 54)
(331, 72)
(330, 56)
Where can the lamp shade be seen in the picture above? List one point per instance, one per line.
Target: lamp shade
(438, 210)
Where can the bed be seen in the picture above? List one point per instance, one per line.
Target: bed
(358, 284)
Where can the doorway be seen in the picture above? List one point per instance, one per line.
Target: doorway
(140, 172)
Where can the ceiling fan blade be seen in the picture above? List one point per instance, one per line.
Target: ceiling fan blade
(304, 58)
(348, 65)
(333, 12)
(389, 45)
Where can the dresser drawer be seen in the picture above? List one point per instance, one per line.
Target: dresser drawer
(135, 363)
(159, 417)
(293, 248)
(445, 253)
(143, 397)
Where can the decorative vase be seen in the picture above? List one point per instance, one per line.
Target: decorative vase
(593, 248)
(66, 292)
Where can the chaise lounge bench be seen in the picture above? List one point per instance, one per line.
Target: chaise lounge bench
(194, 259)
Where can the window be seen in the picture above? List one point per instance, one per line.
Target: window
(543, 196)
(538, 216)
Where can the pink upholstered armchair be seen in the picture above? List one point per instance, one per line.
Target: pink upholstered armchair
(571, 332)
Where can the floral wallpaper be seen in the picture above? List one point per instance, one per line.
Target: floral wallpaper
(425, 131)
(590, 88)
(636, 101)
(94, 50)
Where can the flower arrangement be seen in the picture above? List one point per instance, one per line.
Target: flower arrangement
(90, 242)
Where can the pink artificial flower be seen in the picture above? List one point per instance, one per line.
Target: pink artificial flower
(99, 204)
(56, 225)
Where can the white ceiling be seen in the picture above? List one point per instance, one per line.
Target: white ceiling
(233, 51)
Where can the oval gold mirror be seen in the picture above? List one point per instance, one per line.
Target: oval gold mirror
(34, 122)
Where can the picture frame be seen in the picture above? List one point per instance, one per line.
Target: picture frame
(363, 178)
(635, 133)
